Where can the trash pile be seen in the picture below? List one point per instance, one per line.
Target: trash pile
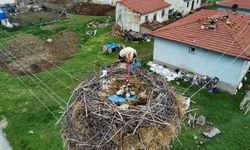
(187, 77)
(135, 36)
(111, 112)
(98, 24)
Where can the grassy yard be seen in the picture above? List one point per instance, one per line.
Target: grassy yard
(25, 113)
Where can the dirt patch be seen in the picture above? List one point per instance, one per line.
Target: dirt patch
(93, 9)
(29, 54)
(34, 17)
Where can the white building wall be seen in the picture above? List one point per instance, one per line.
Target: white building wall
(202, 62)
(184, 6)
(3, 2)
(105, 2)
(130, 20)
(127, 19)
(159, 16)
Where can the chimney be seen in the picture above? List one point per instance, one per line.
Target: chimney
(235, 7)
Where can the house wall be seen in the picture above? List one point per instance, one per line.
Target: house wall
(103, 2)
(158, 14)
(3, 2)
(202, 62)
(127, 19)
(243, 11)
(182, 7)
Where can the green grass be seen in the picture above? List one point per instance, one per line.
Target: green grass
(223, 111)
(15, 98)
(220, 109)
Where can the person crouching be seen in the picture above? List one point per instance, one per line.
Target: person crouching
(127, 55)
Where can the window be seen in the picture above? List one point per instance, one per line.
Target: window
(162, 13)
(187, 4)
(155, 16)
(146, 18)
(197, 1)
(192, 50)
(170, 11)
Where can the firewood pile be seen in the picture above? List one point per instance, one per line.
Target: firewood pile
(151, 121)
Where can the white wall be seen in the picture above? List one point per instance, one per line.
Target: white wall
(2, 2)
(127, 19)
(105, 2)
(159, 16)
(181, 5)
(202, 62)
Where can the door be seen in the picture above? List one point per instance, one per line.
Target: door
(192, 8)
(155, 17)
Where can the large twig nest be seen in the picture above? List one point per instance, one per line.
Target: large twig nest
(151, 121)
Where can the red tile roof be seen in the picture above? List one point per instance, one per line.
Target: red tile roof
(145, 6)
(231, 39)
(244, 4)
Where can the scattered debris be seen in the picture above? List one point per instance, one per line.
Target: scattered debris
(104, 73)
(31, 132)
(200, 142)
(187, 104)
(213, 132)
(49, 40)
(3, 122)
(194, 121)
(191, 120)
(165, 72)
(98, 24)
(170, 75)
(175, 15)
(134, 36)
(35, 8)
(245, 103)
(195, 137)
(152, 119)
(201, 121)
(91, 32)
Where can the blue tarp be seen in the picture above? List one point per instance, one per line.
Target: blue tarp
(2, 15)
(119, 99)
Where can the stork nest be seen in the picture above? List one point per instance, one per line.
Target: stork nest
(151, 122)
